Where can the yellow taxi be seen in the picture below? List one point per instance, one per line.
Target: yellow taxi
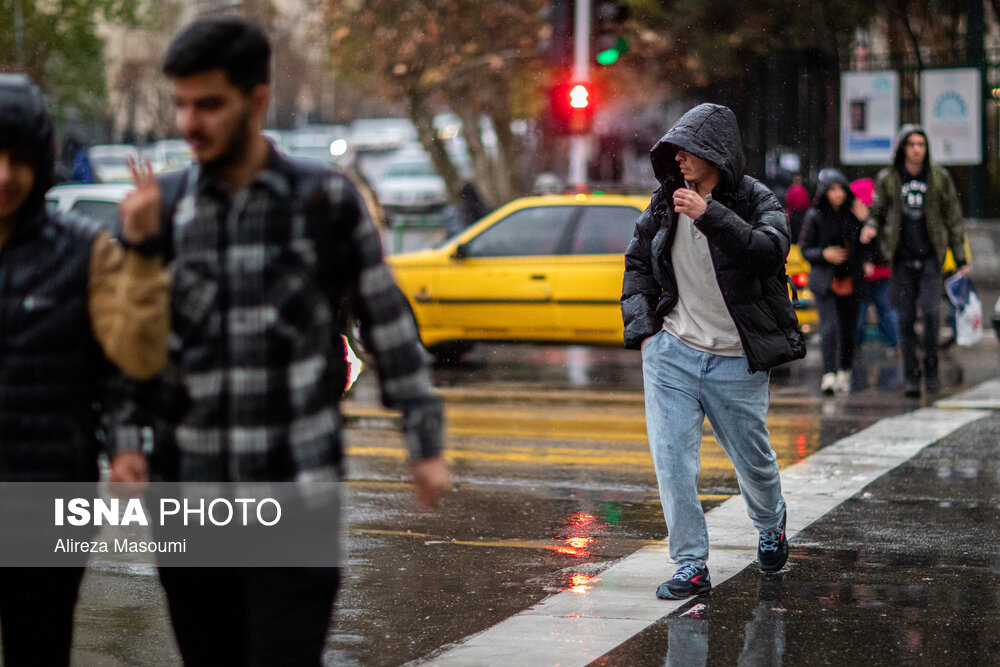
(797, 270)
(542, 269)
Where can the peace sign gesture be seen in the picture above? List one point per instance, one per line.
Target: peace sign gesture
(140, 209)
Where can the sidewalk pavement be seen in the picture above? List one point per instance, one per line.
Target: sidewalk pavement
(895, 558)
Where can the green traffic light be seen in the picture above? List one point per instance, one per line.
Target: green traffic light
(608, 57)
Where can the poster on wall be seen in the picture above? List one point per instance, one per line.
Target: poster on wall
(951, 112)
(869, 116)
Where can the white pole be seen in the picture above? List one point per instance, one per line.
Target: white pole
(581, 72)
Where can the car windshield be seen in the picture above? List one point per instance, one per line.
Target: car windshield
(108, 160)
(104, 213)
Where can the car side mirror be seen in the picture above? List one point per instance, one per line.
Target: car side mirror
(461, 251)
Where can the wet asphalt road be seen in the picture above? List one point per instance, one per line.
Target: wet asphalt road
(554, 483)
(907, 572)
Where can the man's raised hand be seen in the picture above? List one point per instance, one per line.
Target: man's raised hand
(140, 209)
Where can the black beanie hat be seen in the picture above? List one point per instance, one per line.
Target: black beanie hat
(26, 127)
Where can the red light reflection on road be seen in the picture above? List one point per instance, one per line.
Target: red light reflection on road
(579, 536)
(580, 583)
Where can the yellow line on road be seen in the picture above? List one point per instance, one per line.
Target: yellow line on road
(396, 533)
(536, 455)
(712, 458)
(521, 432)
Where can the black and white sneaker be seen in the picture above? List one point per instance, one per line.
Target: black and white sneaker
(688, 580)
(772, 548)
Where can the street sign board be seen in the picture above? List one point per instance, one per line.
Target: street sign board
(869, 116)
(951, 111)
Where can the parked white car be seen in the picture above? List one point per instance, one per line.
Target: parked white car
(97, 202)
(109, 162)
(410, 185)
(325, 143)
(381, 134)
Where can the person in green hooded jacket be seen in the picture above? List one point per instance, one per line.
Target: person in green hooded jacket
(917, 217)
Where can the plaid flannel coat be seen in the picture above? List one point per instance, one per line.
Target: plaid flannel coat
(257, 365)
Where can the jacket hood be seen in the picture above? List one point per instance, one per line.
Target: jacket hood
(708, 131)
(901, 137)
(828, 177)
(26, 126)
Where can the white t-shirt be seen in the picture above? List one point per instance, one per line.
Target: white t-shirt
(700, 319)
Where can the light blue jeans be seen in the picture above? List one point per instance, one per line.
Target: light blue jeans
(683, 386)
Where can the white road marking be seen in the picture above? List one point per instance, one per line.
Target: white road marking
(570, 628)
(985, 396)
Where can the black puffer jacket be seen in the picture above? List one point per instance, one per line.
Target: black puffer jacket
(748, 237)
(50, 364)
(51, 367)
(824, 227)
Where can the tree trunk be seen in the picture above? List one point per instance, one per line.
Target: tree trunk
(902, 13)
(422, 118)
(483, 169)
(506, 162)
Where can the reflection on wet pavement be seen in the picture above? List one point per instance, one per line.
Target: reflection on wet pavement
(495, 551)
(554, 482)
(580, 531)
(831, 608)
(907, 572)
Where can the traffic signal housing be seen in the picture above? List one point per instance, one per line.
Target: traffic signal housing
(557, 44)
(609, 43)
(571, 107)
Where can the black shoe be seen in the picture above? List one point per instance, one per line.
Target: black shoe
(772, 548)
(911, 389)
(932, 385)
(688, 580)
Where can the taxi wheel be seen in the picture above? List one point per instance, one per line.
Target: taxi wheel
(449, 354)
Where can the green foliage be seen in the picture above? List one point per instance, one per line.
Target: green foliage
(61, 49)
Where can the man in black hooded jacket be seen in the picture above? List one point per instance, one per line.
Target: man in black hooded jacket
(704, 296)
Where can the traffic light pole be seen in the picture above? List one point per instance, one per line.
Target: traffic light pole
(581, 72)
(979, 181)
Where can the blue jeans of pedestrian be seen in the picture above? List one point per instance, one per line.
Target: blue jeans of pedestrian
(878, 292)
(683, 386)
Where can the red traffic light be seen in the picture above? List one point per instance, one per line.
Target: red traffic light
(579, 96)
(571, 108)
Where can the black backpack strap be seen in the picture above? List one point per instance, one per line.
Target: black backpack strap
(172, 186)
(794, 291)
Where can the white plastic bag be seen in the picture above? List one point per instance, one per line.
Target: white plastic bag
(969, 321)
